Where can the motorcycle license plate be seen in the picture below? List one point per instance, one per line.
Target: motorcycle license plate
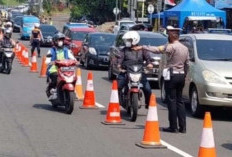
(8, 54)
(68, 68)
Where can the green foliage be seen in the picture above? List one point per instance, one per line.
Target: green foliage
(47, 5)
(97, 10)
(11, 2)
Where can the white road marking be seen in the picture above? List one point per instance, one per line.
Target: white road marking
(178, 151)
(99, 105)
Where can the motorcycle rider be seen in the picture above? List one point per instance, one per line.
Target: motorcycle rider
(6, 40)
(8, 25)
(131, 39)
(36, 37)
(58, 52)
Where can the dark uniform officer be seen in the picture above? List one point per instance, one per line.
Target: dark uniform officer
(177, 66)
(35, 39)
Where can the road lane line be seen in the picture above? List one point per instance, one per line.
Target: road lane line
(174, 149)
(99, 105)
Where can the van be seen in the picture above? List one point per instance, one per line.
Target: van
(27, 26)
(209, 79)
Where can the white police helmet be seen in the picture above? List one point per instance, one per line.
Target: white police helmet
(37, 25)
(133, 35)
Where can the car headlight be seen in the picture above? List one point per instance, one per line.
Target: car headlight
(135, 77)
(211, 77)
(92, 51)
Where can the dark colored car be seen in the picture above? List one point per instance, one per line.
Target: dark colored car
(14, 14)
(75, 36)
(17, 22)
(146, 38)
(95, 49)
(48, 31)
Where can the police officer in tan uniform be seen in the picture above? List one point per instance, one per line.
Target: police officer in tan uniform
(175, 72)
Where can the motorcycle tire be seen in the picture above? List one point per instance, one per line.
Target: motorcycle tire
(69, 101)
(134, 107)
(9, 67)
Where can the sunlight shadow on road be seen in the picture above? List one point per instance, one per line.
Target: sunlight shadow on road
(227, 146)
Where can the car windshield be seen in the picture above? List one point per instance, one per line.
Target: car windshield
(78, 35)
(48, 29)
(214, 50)
(152, 41)
(102, 39)
(28, 25)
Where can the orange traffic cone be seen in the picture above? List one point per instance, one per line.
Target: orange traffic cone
(43, 70)
(26, 62)
(151, 137)
(113, 114)
(78, 87)
(34, 64)
(89, 99)
(207, 146)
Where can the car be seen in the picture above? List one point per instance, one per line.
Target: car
(27, 25)
(14, 14)
(125, 28)
(75, 37)
(121, 22)
(17, 22)
(209, 79)
(48, 31)
(146, 38)
(73, 25)
(95, 49)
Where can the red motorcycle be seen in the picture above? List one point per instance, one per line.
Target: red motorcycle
(64, 95)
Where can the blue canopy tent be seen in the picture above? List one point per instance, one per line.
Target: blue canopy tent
(193, 9)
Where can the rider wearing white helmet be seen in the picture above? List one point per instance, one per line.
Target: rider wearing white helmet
(131, 40)
(36, 37)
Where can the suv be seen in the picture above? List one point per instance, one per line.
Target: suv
(146, 38)
(209, 79)
(122, 22)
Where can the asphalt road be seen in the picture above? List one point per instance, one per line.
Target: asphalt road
(30, 127)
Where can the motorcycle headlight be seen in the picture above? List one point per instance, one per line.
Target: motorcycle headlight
(211, 77)
(135, 77)
(92, 51)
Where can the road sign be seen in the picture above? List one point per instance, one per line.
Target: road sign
(116, 11)
(150, 8)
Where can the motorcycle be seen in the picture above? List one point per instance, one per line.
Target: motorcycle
(64, 95)
(131, 95)
(7, 58)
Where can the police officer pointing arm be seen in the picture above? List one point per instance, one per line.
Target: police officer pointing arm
(175, 72)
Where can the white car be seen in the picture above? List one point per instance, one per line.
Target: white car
(122, 22)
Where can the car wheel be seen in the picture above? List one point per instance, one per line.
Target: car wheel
(195, 107)
(163, 92)
(111, 76)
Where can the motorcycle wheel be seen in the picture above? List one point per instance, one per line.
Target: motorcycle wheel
(134, 107)
(9, 67)
(69, 101)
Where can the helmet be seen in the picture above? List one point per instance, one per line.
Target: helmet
(7, 33)
(58, 36)
(133, 35)
(37, 25)
(9, 24)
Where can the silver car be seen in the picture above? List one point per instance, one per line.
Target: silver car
(209, 79)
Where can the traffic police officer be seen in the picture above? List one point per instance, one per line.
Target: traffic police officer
(174, 75)
(36, 37)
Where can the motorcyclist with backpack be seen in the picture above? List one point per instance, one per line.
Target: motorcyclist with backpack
(131, 40)
(58, 52)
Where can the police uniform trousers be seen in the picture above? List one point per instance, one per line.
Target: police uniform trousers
(176, 107)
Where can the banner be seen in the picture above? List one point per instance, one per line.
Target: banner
(221, 4)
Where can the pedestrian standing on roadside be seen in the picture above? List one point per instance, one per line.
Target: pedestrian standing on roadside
(174, 76)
